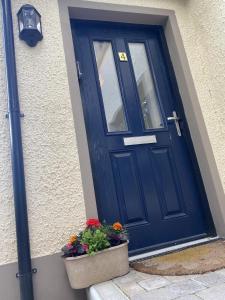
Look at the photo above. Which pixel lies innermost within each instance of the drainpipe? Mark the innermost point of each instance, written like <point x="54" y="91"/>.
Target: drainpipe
<point x="22" y="231"/>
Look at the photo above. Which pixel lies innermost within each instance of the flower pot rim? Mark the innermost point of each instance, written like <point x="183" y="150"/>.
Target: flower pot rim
<point x="99" y="252"/>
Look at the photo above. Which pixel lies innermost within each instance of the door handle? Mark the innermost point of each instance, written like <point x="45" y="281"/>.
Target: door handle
<point x="176" y="119"/>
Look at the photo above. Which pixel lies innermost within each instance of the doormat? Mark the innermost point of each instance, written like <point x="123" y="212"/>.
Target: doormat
<point x="194" y="260"/>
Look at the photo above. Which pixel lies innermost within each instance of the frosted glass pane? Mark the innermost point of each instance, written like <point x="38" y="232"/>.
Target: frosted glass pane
<point x="146" y="90"/>
<point x="112" y="100"/>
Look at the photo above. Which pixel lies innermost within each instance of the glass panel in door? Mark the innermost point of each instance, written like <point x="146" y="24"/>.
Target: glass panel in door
<point x="145" y="85"/>
<point x="110" y="89"/>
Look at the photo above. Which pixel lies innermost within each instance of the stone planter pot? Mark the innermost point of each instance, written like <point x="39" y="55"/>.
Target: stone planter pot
<point x="84" y="271"/>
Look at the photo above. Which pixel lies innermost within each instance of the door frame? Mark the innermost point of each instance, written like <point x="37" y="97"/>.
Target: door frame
<point x="69" y="9"/>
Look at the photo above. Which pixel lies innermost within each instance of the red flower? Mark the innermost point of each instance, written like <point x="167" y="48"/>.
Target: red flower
<point x="93" y="223"/>
<point x="85" y="247"/>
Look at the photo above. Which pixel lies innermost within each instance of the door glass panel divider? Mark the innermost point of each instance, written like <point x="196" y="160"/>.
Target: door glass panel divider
<point x="123" y="94"/>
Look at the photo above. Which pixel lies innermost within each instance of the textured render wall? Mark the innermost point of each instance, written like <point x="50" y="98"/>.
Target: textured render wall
<point x="7" y="224"/>
<point x="209" y="22"/>
<point x="54" y="188"/>
<point x="53" y="181"/>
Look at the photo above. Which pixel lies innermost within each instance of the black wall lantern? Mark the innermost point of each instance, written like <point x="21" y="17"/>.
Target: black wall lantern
<point x="29" y="25"/>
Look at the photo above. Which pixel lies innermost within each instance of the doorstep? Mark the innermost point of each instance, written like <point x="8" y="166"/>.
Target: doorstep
<point x="105" y="290"/>
<point x="140" y="286"/>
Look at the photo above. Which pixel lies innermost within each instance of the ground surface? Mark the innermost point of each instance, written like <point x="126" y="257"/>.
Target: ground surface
<point x="140" y="286"/>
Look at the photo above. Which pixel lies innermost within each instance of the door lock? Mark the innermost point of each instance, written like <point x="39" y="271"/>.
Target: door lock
<point x="176" y="119"/>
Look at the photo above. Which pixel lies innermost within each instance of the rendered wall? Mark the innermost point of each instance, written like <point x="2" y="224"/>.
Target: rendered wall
<point x="7" y="224"/>
<point x="53" y="181"/>
<point x="209" y="73"/>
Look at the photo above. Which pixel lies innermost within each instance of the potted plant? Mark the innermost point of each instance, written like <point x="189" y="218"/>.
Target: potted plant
<point x="98" y="253"/>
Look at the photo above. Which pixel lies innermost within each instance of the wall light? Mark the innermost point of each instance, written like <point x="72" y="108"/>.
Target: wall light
<point x="29" y="21"/>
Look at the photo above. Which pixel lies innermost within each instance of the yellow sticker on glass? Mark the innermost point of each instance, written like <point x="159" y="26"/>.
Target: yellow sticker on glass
<point x="122" y="56"/>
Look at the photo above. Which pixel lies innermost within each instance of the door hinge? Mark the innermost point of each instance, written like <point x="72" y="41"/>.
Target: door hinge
<point x="79" y="72"/>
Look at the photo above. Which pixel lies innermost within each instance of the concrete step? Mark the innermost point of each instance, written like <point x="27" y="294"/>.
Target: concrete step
<point x="105" y="290"/>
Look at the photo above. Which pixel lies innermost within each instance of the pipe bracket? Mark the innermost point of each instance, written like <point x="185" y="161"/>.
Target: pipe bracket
<point x="20" y="114"/>
<point x="33" y="271"/>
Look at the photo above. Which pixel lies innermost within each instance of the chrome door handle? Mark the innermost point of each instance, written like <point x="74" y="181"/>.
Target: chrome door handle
<point x="176" y="119"/>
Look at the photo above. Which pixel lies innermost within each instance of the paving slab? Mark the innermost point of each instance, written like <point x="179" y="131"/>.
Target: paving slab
<point x="106" y="290"/>
<point x="211" y="279"/>
<point x="154" y="282"/>
<point x="157" y="294"/>
<point x="141" y="286"/>
<point x="180" y="278"/>
<point x="132" y="276"/>
<point x="213" y="293"/>
<point x="186" y="287"/>
<point x="221" y="271"/>
<point x="131" y="289"/>
<point x="189" y="297"/>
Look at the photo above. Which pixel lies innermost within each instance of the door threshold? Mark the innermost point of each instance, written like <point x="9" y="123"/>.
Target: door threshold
<point x="172" y="248"/>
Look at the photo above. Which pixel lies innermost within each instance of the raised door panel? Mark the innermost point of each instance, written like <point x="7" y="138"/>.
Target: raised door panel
<point x="169" y="189"/>
<point x="129" y="188"/>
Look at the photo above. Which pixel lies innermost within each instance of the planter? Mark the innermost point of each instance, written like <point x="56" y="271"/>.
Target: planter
<point x="84" y="271"/>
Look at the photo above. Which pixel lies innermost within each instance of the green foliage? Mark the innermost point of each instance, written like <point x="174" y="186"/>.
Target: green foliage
<point x="95" y="239"/>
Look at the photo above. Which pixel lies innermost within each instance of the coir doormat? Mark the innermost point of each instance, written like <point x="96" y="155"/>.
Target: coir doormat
<point x="195" y="260"/>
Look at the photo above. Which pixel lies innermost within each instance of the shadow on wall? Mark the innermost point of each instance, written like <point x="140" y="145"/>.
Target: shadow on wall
<point x="50" y="282"/>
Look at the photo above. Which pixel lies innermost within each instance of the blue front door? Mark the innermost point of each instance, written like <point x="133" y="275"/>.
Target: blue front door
<point x="144" y="168"/>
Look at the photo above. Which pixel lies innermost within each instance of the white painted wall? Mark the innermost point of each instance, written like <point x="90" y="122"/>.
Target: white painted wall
<point x="54" y="187"/>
